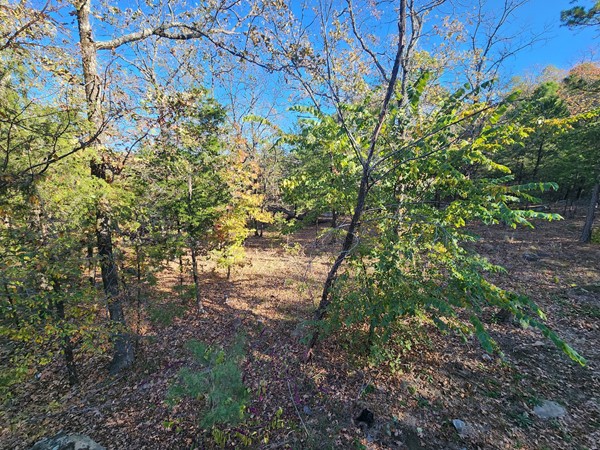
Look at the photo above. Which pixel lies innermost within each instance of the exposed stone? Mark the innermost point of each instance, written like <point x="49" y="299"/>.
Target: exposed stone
<point x="464" y="429"/>
<point x="549" y="410"/>
<point x="461" y="427"/>
<point x="63" y="441"/>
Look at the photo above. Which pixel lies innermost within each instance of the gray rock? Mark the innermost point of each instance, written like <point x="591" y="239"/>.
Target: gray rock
<point x="301" y="330"/>
<point x="549" y="410"/>
<point x="63" y="441"/>
<point x="460" y="426"/>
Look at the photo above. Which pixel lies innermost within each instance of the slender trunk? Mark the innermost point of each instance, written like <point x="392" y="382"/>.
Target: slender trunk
<point x="193" y="250"/>
<point x="370" y="335"/>
<point x="334" y="217"/>
<point x="519" y="178"/>
<point x="66" y="344"/>
<point x="566" y="199"/>
<point x="91" y="264"/>
<point x="123" y="349"/>
<point x="180" y="270"/>
<point x="346" y="247"/>
<point x="538" y="160"/>
<point x="196" y="278"/>
<point x="138" y="261"/>
<point x="256" y="231"/>
<point x="586" y="234"/>
<point x="180" y="258"/>
<point x="363" y="188"/>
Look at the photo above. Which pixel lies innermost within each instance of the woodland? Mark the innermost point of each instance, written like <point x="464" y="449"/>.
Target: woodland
<point x="334" y="224"/>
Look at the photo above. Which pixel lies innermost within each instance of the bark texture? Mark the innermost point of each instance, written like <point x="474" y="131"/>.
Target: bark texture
<point x="123" y="354"/>
<point x="586" y="234"/>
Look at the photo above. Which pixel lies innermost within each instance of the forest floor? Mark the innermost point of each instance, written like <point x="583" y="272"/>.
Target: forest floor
<point x="439" y="379"/>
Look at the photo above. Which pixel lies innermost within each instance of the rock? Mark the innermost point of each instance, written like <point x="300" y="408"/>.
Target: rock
<point x="531" y="257"/>
<point x="63" y="441"/>
<point x="460" y="426"/>
<point x="464" y="429"/>
<point x="301" y="330"/>
<point x="366" y="417"/>
<point x="549" y="410"/>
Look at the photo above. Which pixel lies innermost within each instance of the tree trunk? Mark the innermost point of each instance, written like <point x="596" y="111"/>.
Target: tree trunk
<point x="363" y="188"/>
<point x="566" y="199"/>
<point x="196" y="279"/>
<point x="193" y="250"/>
<point x="66" y="344"/>
<point x="91" y="264"/>
<point x="180" y="258"/>
<point x="138" y="264"/>
<point x="346" y="247"/>
<point x="123" y="349"/>
<point x="538" y="160"/>
<point x="181" y="271"/>
<point x="586" y="234"/>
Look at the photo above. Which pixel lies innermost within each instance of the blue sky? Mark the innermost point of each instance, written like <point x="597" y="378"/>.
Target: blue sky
<point x="562" y="48"/>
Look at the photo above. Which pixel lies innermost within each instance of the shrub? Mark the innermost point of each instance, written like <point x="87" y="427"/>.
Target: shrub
<point x="217" y="380"/>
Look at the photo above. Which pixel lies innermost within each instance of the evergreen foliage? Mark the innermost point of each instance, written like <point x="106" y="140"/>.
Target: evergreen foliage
<point x="217" y="380"/>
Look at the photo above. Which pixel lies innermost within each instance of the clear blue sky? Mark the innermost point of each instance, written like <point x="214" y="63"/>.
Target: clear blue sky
<point x="563" y="47"/>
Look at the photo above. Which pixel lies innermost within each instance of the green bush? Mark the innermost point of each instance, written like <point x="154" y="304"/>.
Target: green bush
<point x="217" y="380"/>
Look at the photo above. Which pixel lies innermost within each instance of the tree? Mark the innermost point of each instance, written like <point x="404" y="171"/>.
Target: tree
<point x="322" y="173"/>
<point x="580" y="16"/>
<point x="540" y="113"/>
<point x="562" y="122"/>
<point x="204" y="22"/>
<point x="44" y="205"/>
<point x="415" y="142"/>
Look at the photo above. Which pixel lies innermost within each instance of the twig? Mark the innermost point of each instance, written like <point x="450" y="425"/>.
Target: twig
<point x="296" y="408"/>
